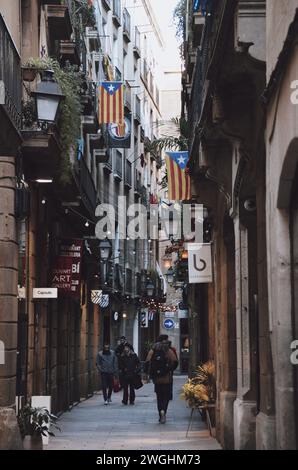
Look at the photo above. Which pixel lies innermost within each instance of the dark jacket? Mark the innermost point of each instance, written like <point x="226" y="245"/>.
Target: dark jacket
<point x="129" y="365"/>
<point x="107" y="362"/>
<point x="120" y="348"/>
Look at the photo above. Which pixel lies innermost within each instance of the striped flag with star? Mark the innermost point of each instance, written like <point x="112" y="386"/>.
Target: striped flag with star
<point x="178" y="178"/>
<point x="111" y="103"/>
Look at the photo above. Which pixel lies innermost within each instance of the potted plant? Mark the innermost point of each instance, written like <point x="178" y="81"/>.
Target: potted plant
<point x="200" y="390"/>
<point x="35" y="423"/>
<point x="29" y="73"/>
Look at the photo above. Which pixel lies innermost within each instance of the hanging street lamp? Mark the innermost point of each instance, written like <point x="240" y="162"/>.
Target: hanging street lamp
<point x="48" y="96"/>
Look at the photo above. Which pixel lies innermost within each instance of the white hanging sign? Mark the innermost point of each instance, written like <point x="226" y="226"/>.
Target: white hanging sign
<point x="199" y="263"/>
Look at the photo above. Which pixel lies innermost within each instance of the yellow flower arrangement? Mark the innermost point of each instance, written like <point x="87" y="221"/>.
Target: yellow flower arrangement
<point x="201" y="390"/>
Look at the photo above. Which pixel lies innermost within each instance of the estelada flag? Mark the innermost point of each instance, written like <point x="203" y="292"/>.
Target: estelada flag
<point x="178" y="178"/>
<point x="111" y="103"/>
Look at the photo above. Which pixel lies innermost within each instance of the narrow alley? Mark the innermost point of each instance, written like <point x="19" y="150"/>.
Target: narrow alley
<point x="91" y="425"/>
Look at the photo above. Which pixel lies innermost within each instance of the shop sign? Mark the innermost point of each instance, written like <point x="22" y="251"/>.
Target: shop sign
<point x="45" y="293"/>
<point x="66" y="273"/>
<point x="199" y="263"/>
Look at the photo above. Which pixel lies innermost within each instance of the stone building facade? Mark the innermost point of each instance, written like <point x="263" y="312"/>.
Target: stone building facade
<point x="243" y="170"/>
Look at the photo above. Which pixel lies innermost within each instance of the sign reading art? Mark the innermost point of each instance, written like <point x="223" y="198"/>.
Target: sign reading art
<point x="199" y="263"/>
<point x="67" y="268"/>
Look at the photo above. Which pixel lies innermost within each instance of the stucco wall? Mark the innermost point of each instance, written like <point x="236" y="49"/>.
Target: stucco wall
<point x="279" y="14"/>
<point x="282" y="129"/>
<point x="10" y="10"/>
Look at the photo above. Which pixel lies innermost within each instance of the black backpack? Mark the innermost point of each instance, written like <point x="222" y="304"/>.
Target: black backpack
<point x="159" y="364"/>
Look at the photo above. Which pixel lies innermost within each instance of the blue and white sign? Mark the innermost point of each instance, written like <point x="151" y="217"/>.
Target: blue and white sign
<point x="168" y="323"/>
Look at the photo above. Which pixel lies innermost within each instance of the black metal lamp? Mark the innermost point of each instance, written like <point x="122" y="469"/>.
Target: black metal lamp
<point x="105" y="249"/>
<point x="48" y="96"/>
<point x="170" y="275"/>
<point x="150" y="289"/>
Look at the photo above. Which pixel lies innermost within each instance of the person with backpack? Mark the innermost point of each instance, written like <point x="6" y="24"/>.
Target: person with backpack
<point x="162" y="362"/>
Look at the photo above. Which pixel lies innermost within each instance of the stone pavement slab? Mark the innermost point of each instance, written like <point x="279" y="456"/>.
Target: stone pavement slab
<point x="92" y="425"/>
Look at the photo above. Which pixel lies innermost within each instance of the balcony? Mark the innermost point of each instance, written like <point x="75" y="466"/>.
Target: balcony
<point x="117" y="12"/>
<point x="93" y="39"/>
<point x="118" y="166"/>
<point x="137" y="114"/>
<point x="68" y="51"/>
<point x="10" y="92"/>
<point x="128" y="178"/>
<point x="137" y="44"/>
<point x="126" y="25"/>
<point x="58" y="20"/>
<point x="142" y="136"/>
<point x="86" y="186"/>
<point x="198" y="26"/>
<point x="107" y="4"/>
<point x="108" y="165"/>
<point x="138" y="184"/>
<point x="118" y="75"/>
<point x="144" y="198"/>
<point x="128" y="281"/>
<point x="127" y="97"/>
<point x="41" y="153"/>
<point x="145" y="71"/>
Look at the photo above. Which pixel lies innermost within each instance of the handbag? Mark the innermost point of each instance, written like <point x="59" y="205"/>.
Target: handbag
<point x="116" y="385"/>
<point x="137" y="382"/>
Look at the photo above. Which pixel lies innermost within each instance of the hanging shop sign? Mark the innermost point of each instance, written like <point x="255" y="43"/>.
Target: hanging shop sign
<point x="96" y="296"/>
<point x="118" y="135"/>
<point x="151" y="313"/>
<point x="144" y="318"/>
<point x="66" y="273"/>
<point x="199" y="263"/>
<point x="169" y="314"/>
<point x="45" y="293"/>
<point x="104" y="301"/>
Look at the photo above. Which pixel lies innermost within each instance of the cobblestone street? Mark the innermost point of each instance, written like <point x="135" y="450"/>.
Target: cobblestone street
<point x="92" y="425"/>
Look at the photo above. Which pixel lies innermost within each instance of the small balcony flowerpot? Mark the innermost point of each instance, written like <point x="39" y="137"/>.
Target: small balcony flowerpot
<point x="32" y="442"/>
<point x="29" y="73"/>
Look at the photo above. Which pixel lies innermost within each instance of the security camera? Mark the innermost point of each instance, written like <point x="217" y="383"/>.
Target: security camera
<point x="250" y="205"/>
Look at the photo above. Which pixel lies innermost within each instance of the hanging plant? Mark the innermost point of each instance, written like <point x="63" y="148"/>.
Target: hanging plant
<point x="69" y="123"/>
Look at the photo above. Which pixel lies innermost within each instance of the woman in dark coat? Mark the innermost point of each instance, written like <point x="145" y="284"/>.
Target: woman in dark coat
<point x="129" y="367"/>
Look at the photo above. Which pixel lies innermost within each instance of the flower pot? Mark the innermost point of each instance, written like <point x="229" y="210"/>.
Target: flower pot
<point x="32" y="442"/>
<point x="29" y="74"/>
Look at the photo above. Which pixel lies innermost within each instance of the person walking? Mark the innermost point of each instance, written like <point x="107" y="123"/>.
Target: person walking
<point x="129" y="368"/>
<point x="161" y="362"/>
<point x="122" y="342"/>
<point x="107" y="365"/>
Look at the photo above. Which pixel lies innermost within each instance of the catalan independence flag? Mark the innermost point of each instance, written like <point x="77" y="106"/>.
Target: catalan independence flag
<point x="111" y="103"/>
<point x="178" y="179"/>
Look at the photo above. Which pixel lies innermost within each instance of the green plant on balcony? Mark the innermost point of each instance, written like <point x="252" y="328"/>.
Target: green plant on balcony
<point x="28" y="113"/>
<point x="176" y="142"/>
<point x="69" y="123"/>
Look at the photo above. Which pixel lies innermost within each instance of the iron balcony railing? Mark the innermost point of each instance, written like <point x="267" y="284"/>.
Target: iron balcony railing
<point x="87" y="187"/>
<point x="126" y="22"/>
<point x="117" y="8"/>
<point x="137" y="42"/>
<point x="128" y="281"/>
<point x="10" y="76"/>
<point x="138" y="109"/>
<point x="128" y="178"/>
<point x="118" y="163"/>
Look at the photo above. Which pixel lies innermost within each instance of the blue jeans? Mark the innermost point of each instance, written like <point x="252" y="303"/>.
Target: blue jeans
<point x="107" y="384"/>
